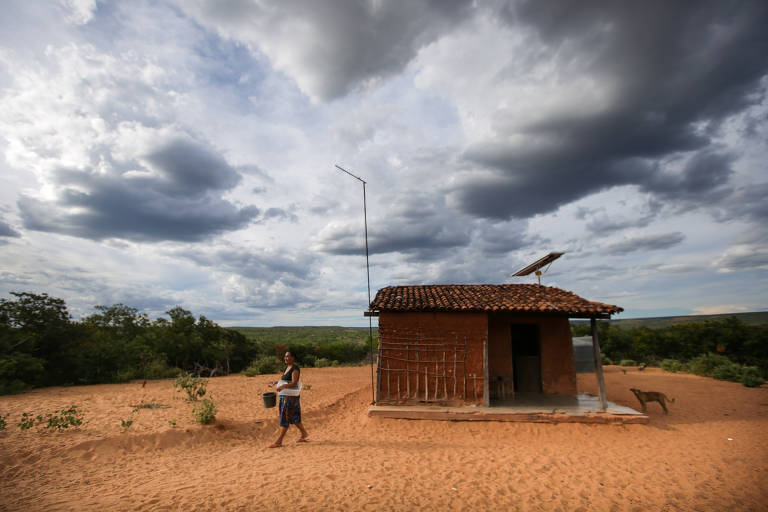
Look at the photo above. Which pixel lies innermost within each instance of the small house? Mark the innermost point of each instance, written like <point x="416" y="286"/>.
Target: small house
<point x="478" y="344"/>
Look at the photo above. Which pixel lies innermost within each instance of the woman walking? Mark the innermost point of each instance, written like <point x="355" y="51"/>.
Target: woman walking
<point x="289" y="389"/>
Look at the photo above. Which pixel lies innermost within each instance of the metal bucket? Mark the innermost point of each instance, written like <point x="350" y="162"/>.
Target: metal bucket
<point x="270" y="399"/>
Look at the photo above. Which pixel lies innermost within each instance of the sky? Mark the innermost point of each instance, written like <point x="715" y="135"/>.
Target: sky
<point x="181" y="152"/>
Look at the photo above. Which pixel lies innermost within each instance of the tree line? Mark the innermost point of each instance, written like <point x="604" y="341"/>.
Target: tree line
<point x="41" y="345"/>
<point x="741" y="343"/>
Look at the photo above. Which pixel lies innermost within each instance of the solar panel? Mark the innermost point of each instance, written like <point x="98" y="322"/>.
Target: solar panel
<point x="536" y="265"/>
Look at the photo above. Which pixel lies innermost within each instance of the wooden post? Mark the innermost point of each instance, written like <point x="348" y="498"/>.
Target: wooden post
<point x="426" y="383"/>
<point x="437" y="373"/>
<point x="408" y="373"/>
<point x="454" y="370"/>
<point x="486" y="395"/>
<point x="418" y="375"/>
<point x="464" y="369"/>
<point x="598" y="364"/>
<point x="445" y="379"/>
<point x="389" y="380"/>
<point x="398" y="388"/>
<point x="378" y="371"/>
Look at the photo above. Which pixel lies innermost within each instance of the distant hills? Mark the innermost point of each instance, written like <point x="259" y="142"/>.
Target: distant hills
<point x="754" y="318"/>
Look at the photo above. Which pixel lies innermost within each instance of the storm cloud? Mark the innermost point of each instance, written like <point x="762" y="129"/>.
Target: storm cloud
<point x="7" y="231"/>
<point x="673" y="72"/>
<point x="645" y="243"/>
<point x="175" y="196"/>
<point x="332" y="47"/>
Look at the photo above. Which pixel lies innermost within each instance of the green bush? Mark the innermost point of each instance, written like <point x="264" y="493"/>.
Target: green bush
<point x="158" y="369"/>
<point x="263" y="366"/>
<point x="751" y="377"/>
<point x="205" y="411"/>
<point x="193" y="386"/>
<point x="605" y="359"/>
<point x="125" y="375"/>
<point x="70" y="417"/>
<point x="325" y="362"/>
<point x="58" y="420"/>
<point x="729" y="371"/>
<point x="309" y="360"/>
<point x="671" y="365"/>
<point x="628" y="362"/>
<point x="12" y="387"/>
<point x="705" y="364"/>
<point x="3" y="423"/>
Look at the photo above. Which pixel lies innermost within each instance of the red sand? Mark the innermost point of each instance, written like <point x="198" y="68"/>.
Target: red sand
<point x="683" y="461"/>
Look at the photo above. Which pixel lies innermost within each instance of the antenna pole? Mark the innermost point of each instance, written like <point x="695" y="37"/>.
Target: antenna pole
<point x="367" y="275"/>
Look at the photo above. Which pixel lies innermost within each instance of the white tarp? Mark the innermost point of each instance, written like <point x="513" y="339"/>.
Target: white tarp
<point x="289" y="391"/>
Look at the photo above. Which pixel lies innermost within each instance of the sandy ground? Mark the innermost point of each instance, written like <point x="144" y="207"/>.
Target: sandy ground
<point x="709" y="453"/>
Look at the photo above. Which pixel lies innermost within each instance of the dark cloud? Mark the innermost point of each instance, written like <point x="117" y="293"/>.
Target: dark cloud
<point x="498" y="239"/>
<point x="280" y="214"/>
<point x="7" y="231"/>
<point x="749" y="203"/>
<point x="748" y="258"/>
<point x="703" y="177"/>
<point x="189" y="170"/>
<point x="180" y="199"/>
<point x="397" y="235"/>
<point x="645" y="243"/>
<point x="416" y="224"/>
<point x="678" y="69"/>
<point x="336" y="46"/>
<point x="603" y="224"/>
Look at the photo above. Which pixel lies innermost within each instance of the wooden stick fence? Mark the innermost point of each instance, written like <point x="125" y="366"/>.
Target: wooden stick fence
<point x="435" y="366"/>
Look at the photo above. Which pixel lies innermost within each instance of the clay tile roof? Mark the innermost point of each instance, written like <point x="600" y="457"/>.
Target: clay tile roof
<point x="528" y="298"/>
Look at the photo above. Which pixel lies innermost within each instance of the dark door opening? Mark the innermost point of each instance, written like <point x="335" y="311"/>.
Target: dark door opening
<point x="526" y="358"/>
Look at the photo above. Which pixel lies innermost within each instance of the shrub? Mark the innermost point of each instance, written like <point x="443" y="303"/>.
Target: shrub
<point x="205" y="411"/>
<point x="728" y="371"/>
<point x="70" y="417"/>
<point x="158" y="369"/>
<point x="671" y="365"/>
<point x="605" y="359"/>
<point x="59" y="420"/>
<point x="628" y="362"/>
<point x="309" y="360"/>
<point x="705" y="364"/>
<point x="126" y="424"/>
<point x="322" y="362"/>
<point x="125" y="375"/>
<point x="28" y="421"/>
<point x="751" y="377"/>
<point x="263" y="365"/>
<point x="3" y="423"/>
<point x="12" y="387"/>
<point x="193" y="386"/>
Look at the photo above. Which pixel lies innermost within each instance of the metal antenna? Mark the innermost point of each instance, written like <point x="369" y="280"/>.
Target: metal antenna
<point x="367" y="274"/>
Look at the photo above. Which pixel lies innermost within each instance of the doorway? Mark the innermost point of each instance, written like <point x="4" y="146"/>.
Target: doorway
<point x="526" y="358"/>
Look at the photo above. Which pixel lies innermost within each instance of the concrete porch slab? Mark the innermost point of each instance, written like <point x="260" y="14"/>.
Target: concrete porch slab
<point x="581" y="408"/>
